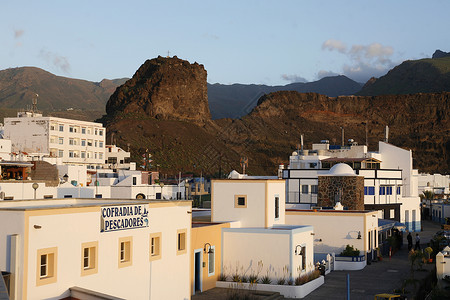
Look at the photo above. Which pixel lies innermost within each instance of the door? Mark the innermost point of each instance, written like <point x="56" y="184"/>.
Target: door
<point x="197" y="272"/>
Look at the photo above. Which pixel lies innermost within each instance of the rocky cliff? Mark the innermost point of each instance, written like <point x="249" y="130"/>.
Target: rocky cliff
<point x="164" y="108"/>
<point x="163" y="88"/>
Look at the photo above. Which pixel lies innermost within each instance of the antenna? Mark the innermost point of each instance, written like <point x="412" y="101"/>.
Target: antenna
<point x="34" y="102"/>
<point x="244" y="164"/>
<point x="367" y="133"/>
<point x="386" y="134"/>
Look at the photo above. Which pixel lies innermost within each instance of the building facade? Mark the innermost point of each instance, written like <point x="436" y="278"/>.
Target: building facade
<point x="73" y="141"/>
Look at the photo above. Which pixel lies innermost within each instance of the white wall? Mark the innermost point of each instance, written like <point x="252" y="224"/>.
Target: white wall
<point x="223" y="208"/>
<point x="243" y="248"/>
<point x="336" y="230"/>
<point x="142" y="280"/>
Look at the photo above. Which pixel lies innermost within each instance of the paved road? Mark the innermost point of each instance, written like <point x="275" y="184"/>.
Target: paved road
<point x="379" y="277"/>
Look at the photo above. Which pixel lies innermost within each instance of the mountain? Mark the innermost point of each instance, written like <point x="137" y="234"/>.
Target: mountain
<point x="56" y="94"/>
<point x="237" y="100"/>
<point x="164" y="88"/>
<point x="429" y="75"/>
<point x="439" y="54"/>
<point x="270" y="132"/>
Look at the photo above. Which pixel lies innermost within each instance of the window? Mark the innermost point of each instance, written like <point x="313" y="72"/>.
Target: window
<point x="211" y="261"/>
<point x="61" y="127"/>
<point x="125" y="251"/>
<point x="100" y="132"/>
<point x="240" y="201"/>
<point x="155" y="246"/>
<point x="53" y="126"/>
<point x="391" y="213"/>
<point x="83" y="154"/>
<point x="96" y="130"/>
<point x="399" y="190"/>
<point x="277" y="207"/>
<point x="60" y="153"/>
<point x="89" y="261"/>
<point x="389" y="190"/>
<point x="100" y="144"/>
<point x="72" y="142"/>
<point x="89" y="143"/>
<point x="369" y="190"/>
<point x="71" y="129"/>
<point x="71" y="153"/>
<point x="134" y="181"/>
<point x="181" y="241"/>
<point x="61" y="141"/>
<point x="95" y="143"/>
<point x="305" y="189"/>
<point x="303" y="254"/>
<point x="382" y="190"/>
<point x="100" y="155"/>
<point x="83" y="130"/>
<point x="83" y="142"/>
<point x="46" y="266"/>
<point x="314" y="189"/>
<point x="95" y="155"/>
<point x="53" y="139"/>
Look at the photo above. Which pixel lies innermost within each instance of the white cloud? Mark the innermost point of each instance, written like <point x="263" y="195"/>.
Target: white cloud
<point x="58" y="61"/>
<point x="332" y="45"/>
<point x="293" y="78"/>
<point x="323" y="73"/>
<point x="366" y="61"/>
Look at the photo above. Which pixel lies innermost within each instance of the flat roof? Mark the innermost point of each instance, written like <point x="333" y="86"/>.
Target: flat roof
<point x="21" y="205"/>
<point x="329" y="211"/>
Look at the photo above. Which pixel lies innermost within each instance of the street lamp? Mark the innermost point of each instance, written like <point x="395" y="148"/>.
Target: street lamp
<point x="35" y="187"/>
<point x="161" y="184"/>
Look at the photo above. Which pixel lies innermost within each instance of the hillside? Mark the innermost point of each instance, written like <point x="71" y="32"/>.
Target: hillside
<point x="237" y="100"/>
<point x="430" y="75"/>
<point x="270" y="132"/>
<point x="56" y="93"/>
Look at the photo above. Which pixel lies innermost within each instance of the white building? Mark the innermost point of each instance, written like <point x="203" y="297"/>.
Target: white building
<point x="75" y="142"/>
<point x="259" y="233"/>
<point x="436" y="183"/>
<point x="121" y="248"/>
<point x="390" y="182"/>
<point x="117" y="158"/>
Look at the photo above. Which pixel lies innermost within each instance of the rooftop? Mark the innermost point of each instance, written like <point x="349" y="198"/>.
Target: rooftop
<point x="20" y="205"/>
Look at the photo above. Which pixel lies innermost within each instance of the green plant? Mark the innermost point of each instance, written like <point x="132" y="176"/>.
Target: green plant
<point x="244" y="279"/>
<point x="282" y="279"/>
<point x="266" y="280"/>
<point x="350" y="251"/>
<point x="222" y="277"/>
<point x="307" y="277"/>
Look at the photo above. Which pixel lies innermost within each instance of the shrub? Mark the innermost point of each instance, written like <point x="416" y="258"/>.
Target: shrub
<point x="307" y="277"/>
<point x="253" y="278"/>
<point x="350" y="251"/>
<point x="266" y="280"/>
<point x="222" y="277"/>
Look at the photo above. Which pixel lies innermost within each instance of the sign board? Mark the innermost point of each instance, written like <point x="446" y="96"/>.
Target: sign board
<point x="123" y="217"/>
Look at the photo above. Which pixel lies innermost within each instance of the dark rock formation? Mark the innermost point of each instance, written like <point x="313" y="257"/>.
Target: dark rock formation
<point x="439" y="54"/>
<point x="163" y="88"/>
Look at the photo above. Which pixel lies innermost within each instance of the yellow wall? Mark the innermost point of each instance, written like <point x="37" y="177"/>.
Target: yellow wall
<point x="212" y="234"/>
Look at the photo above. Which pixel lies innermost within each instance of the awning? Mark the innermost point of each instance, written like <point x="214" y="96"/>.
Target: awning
<point x="385" y="225"/>
<point x="399" y="226"/>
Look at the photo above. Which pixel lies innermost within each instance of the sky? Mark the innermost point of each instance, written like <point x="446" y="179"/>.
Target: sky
<point x="259" y="42"/>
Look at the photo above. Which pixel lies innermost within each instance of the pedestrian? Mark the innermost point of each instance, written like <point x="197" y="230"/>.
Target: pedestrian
<point x="417" y="246"/>
<point x="409" y="238"/>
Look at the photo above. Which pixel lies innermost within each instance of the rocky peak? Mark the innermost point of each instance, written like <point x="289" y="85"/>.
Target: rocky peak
<point x="163" y="88"/>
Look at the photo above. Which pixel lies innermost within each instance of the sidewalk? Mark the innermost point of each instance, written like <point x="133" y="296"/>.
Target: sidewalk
<point x="379" y="277"/>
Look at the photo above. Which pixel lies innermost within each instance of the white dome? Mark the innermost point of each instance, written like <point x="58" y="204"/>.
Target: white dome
<point x="341" y="170"/>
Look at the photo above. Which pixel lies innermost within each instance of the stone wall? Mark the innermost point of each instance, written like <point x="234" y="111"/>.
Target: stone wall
<point x="348" y="189"/>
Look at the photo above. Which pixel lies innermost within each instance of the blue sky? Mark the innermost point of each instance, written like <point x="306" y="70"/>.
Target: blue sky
<point x="261" y="42"/>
